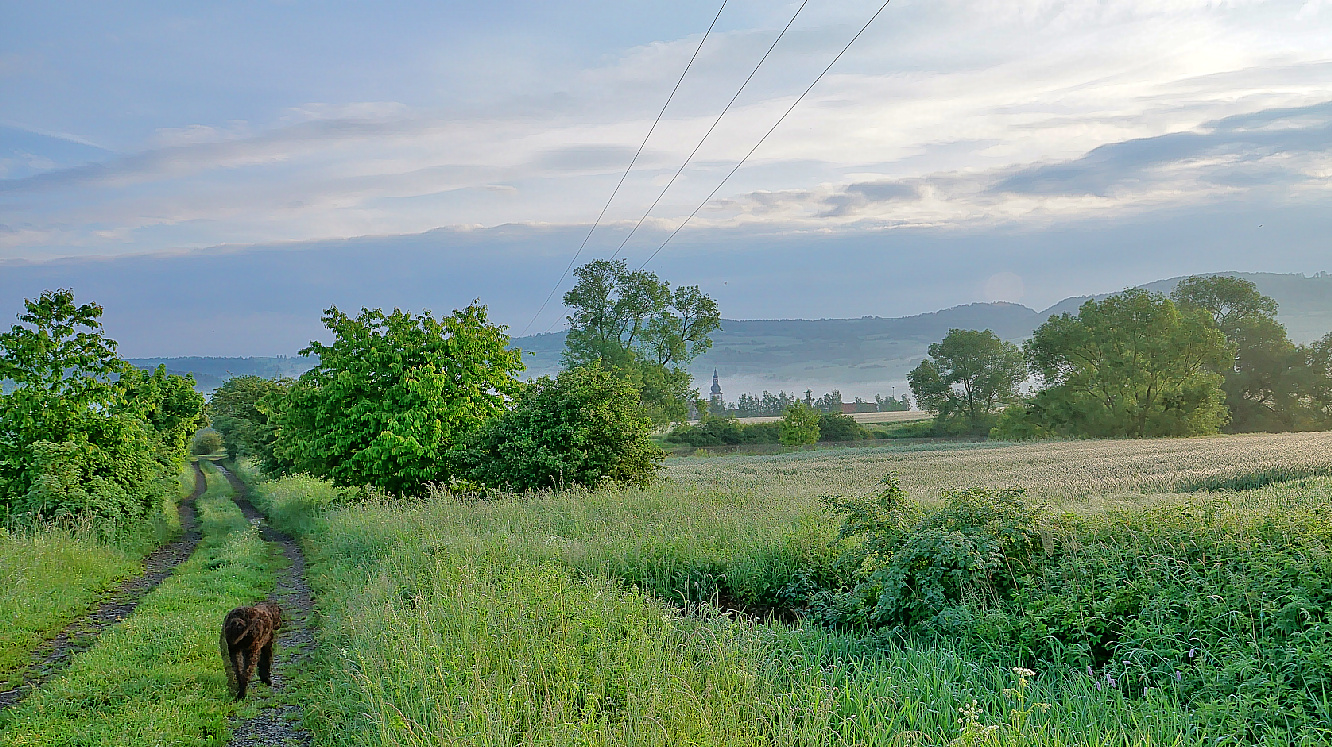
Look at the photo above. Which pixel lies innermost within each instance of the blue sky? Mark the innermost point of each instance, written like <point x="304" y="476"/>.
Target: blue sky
<point x="423" y="154"/>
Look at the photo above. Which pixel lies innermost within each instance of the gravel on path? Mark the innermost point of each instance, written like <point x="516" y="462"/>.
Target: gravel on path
<point x="279" y="723"/>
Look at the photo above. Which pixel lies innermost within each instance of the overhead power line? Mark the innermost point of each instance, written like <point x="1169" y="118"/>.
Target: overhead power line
<point x="715" y="122"/>
<point x="775" y="125"/>
<point x="629" y="168"/>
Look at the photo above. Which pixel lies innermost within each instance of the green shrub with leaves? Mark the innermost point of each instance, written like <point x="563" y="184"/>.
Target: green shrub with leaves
<point x="799" y="425"/>
<point x="917" y="566"/>
<point x="240" y="410"/>
<point x="714" y="430"/>
<point x="206" y="442"/>
<point x="836" y="427"/>
<point x="586" y="427"/>
<point x="393" y="395"/>
<point x="1220" y="599"/>
<point x="84" y="435"/>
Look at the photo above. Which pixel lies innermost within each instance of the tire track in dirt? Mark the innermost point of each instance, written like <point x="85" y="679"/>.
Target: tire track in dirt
<point x="279" y="723"/>
<point x="51" y="657"/>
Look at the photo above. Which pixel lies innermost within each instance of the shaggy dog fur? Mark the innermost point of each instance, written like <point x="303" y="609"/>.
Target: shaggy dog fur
<point x="247" y="640"/>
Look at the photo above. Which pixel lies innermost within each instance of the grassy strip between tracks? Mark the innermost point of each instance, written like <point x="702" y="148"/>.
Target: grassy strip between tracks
<point x="157" y="679"/>
<point x="52" y="576"/>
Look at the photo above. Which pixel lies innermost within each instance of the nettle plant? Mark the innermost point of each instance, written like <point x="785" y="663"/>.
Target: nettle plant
<point x="919" y="568"/>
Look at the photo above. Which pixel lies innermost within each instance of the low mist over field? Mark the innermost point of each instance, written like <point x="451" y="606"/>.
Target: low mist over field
<point x="860" y="357"/>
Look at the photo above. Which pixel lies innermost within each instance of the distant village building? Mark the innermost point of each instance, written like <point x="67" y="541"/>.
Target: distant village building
<point x="716" y="402"/>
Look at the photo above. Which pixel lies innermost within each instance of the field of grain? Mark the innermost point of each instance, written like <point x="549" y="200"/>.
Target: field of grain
<point x="1062" y="473"/>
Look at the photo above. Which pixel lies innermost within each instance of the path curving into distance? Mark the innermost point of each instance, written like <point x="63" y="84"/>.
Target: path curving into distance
<point x="279" y="723"/>
<point x="116" y="605"/>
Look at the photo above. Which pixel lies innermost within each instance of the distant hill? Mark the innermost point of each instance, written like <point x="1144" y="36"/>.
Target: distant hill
<point x="872" y="355"/>
<point x="861" y="357"/>
<point x="209" y="373"/>
<point x="1305" y="303"/>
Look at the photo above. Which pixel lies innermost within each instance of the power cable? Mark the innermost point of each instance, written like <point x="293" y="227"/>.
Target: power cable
<point x="715" y="122"/>
<point x="780" y="119"/>
<point x="632" y="161"/>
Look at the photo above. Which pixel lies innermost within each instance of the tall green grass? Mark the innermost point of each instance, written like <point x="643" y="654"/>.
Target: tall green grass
<point x="52" y="575"/>
<point x="554" y="619"/>
<point x="157" y="678"/>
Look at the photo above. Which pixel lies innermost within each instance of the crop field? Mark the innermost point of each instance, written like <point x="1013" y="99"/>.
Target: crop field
<point x="1061" y="472"/>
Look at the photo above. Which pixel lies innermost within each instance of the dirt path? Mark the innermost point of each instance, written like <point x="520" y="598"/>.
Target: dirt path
<point x="82" y="633"/>
<point x="279" y="723"/>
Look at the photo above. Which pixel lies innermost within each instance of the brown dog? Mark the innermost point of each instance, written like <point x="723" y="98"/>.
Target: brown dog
<point x="247" y="640"/>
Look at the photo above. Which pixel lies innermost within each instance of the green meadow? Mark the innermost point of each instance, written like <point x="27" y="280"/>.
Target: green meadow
<point x="1175" y="594"/>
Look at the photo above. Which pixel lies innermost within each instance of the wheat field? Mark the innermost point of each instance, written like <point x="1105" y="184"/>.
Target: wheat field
<point x="1065" y="472"/>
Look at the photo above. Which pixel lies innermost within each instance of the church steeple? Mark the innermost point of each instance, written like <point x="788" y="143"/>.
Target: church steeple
<point x="716" y="387"/>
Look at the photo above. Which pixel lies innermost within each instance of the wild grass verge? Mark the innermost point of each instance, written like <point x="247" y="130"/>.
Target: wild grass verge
<point x="548" y="619"/>
<point x="54" y="574"/>
<point x="157" y="678"/>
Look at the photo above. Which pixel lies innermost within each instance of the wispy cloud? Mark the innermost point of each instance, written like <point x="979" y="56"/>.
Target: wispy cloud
<point x="949" y="114"/>
<point x="1275" y="142"/>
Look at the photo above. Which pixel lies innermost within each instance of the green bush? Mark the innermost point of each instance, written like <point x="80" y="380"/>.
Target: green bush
<point x="724" y="431"/>
<point x="835" y="427"/>
<point x="206" y="442"/>
<point x="914" y="565"/>
<point x="393" y="396"/>
<point x="1221" y="599"/>
<point x="1018" y="422"/>
<point x="799" y="425"/>
<point x="585" y="427"/>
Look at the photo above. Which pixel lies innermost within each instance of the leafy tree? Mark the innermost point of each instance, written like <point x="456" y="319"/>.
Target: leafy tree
<point x="1264" y="381"/>
<point x="890" y="404"/>
<point x="829" y="402"/>
<point x="83" y="433"/>
<point x="635" y="323"/>
<point x="585" y="427"/>
<point x="1131" y="365"/>
<point x="799" y="425"/>
<point x="836" y="427"/>
<point x="1318" y="384"/>
<point x="241" y="410"/>
<point x="167" y="402"/>
<point x="967" y="378"/>
<point x="393" y="395"/>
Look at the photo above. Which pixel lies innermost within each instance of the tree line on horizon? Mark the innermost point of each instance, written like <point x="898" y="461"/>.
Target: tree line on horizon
<point x="768" y="404"/>
<point x="1208" y="358"/>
